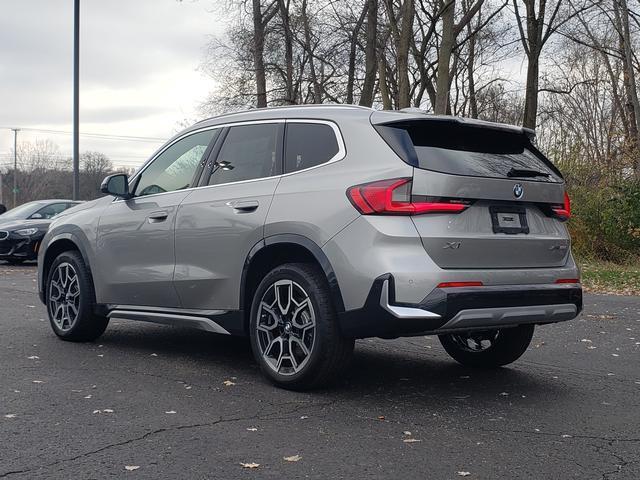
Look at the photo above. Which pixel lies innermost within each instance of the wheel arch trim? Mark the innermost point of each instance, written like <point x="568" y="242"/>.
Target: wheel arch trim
<point x="43" y="269"/>
<point x="307" y="244"/>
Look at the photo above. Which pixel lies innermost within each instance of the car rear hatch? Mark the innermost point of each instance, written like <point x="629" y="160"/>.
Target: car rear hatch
<point x="514" y="198"/>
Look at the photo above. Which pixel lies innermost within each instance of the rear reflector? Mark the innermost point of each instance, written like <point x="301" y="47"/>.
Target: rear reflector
<point x="393" y="197"/>
<point x="563" y="212"/>
<point x="568" y="280"/>
<point x="459" y="284"/>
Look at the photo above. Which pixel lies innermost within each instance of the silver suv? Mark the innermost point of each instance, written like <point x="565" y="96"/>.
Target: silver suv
<point x="306" y="228"/>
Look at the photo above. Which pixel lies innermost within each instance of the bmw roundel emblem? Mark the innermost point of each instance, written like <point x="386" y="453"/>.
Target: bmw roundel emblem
<point x="518" y="191"/>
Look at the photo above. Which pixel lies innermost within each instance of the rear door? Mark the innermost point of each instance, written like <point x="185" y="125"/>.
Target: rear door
<point x="219" y="223"/>
<point x="513" y="193"/>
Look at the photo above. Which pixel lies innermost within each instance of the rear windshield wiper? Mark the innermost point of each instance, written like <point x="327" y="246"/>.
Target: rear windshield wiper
<point x="523" y="172"/>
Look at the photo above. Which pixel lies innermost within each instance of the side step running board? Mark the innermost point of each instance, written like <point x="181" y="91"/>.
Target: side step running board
<point x="165" y="318"/>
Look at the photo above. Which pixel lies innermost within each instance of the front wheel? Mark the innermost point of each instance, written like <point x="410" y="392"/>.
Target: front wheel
<point x="488" y="348"/>
<point x="295" y="336"/>
<point x="71" y="300"/>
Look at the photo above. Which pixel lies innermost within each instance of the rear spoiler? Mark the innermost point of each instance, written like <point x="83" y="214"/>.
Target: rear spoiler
<point x="388" y="117"/>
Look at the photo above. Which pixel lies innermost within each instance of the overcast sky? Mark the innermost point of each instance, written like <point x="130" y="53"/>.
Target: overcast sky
<point x="139" y="77"/>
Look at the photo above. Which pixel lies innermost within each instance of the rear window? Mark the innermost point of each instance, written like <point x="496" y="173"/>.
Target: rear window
<point x="456" y="149"/>
<point x="308" y="145"/>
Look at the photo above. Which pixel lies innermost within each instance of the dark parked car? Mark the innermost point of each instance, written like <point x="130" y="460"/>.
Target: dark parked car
<point x="22" y="228"/>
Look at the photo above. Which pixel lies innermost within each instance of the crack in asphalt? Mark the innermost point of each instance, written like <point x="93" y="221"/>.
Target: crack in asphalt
<point x="221" y="420"/>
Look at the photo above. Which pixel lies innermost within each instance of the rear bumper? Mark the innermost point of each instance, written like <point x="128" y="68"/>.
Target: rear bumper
<point x="459" y="309"/>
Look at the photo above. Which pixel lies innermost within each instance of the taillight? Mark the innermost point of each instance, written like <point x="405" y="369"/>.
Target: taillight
<point x="563" y="212"/>
<point x="393" y="197"/>
<point x="568" y="280"/>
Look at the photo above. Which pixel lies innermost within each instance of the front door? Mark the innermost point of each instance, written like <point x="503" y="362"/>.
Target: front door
<point x="135" y="238"/>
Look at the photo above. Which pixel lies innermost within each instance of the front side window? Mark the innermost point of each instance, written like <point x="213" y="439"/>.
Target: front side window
<point x="50" y="211"/>
<point x="308" y="145"/>
<point x="175" y="168"/>
<point x="248" y="152"/>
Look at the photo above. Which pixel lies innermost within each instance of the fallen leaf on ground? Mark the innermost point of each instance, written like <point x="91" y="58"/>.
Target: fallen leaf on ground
<point x="406" y="433"/>
<point x="228" y="383"/>
<point x="38" y="381"/>
<point x="411" y="440"/>
<point x="294" y="458"/>
<point x="464" y="474"/>
<point x="131" y="468"/>
<point x="170" y="412"/>
<point x="34" y="357"/>
<point x="252" y="429"/>
<point x="249" y="465"/>
<point x="10" y="415"/>
<point x="107" y="410"/>
<point x="381" y="417"/>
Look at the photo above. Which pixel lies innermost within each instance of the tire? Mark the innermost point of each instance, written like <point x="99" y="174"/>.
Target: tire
<point x="506" y="346"/>
<point x="69" y="290"/>
<point x="314" y="329"/>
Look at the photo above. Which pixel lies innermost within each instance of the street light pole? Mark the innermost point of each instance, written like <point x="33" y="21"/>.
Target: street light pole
<point x="15" y="166"/>
<point x="76" y="99"/>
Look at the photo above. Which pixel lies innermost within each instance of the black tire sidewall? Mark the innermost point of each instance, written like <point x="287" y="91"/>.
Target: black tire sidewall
<point x="510" y="345"/>
<point x="318" y="293"/>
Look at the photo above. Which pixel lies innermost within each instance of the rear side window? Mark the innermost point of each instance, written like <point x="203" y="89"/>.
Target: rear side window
<point x="456" y="149"/>
<point x="249" y="152"/>
<point x="308" y="145"/>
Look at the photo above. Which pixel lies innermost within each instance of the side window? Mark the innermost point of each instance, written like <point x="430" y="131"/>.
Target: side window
<point x="175" y="168"/>
<point x="50" y="211"/>
<point x="308" y="145"/>
<point x="248" y="152"/>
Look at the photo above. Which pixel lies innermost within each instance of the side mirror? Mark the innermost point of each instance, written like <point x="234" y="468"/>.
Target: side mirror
<point x="36" y="216"/>
<point x="116" y="185"/>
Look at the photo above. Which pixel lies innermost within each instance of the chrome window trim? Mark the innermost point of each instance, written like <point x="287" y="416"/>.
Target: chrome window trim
<point x="342" y="153"/>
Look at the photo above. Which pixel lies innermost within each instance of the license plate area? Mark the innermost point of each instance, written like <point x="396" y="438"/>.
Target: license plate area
<point x="509" y="220"/>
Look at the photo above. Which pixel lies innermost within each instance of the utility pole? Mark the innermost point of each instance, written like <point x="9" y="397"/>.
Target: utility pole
<point x="76" y="99"/>
<point x="15" y="166"/>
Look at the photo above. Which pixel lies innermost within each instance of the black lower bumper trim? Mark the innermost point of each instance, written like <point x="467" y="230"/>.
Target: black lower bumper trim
<point x="374" y="321"/>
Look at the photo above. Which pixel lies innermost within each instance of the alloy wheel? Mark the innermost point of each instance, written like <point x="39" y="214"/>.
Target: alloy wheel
<point x="64" y="296"/>
<point x="286" y="327"/>
<point x="476" y="341"/>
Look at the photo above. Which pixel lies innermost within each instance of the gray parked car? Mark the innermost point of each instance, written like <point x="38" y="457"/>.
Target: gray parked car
<point x="306" y="228"/>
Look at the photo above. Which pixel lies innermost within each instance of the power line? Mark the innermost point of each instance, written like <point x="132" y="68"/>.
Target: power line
<point x="93" y="135"/>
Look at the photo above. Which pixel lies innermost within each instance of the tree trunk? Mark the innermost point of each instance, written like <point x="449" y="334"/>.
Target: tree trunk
<point x="366" y="97"/>
<point x="633" y="106"/>
<point x="382" y="84"/>
<point x="288" y="51"/>
<point x="406" y="33"/>
<point x="317" y="91"/>
<point x="258" y="55"/>
<point x="353" y="48"/>
<point x="444" y="57"/>
<point x="531" y="92"/>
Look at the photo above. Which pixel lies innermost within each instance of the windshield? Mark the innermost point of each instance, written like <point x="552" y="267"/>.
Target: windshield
<point x="23" y="211"/>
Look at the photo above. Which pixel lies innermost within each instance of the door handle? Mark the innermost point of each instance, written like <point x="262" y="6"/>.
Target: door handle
<point x="244" y="207"/>
<point x="159" y="216"/>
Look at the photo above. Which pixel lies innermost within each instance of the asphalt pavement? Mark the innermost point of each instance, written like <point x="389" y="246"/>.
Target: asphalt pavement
<point x="155" y="402"/>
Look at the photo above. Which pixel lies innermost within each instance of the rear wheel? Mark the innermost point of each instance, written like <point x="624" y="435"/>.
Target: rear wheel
<point x="294" y="330"/>
<point x="71" y="300"/>
<point x="488" y="348"/>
